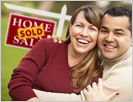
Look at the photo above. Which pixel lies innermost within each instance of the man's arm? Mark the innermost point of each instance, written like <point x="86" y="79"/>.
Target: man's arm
<point x="50" y="96"/>
<point x="90" y="94"/>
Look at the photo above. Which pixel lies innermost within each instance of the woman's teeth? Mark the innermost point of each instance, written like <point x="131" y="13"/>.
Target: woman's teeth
<point x="83" y="41"/>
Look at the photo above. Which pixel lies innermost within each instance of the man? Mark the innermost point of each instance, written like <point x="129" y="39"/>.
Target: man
<point x="114" y="42"/>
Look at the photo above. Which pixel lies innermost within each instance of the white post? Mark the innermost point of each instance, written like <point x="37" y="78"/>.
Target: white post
<point x="61" y="21"/>
<point x="62" y="17"/>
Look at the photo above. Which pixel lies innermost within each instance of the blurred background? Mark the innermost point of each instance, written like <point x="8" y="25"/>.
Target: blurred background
<point x="11" y="56"/>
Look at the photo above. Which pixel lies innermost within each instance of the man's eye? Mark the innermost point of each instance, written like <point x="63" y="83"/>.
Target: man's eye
<point x="104" y="31"/>
<point x="118" y="33"/>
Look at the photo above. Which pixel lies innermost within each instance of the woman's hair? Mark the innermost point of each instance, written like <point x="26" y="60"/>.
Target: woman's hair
<point x="90" y="67"/>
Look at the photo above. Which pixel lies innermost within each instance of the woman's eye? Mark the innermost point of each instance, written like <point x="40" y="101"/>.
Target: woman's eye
<point x="93" y="29"/>
<point x="78" y="25"/>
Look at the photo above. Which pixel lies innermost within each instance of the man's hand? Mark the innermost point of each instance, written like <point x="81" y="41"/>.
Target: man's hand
<point x="95" y="93"/>
<point x="55" y="38"/>
<point x="33" y="99"/>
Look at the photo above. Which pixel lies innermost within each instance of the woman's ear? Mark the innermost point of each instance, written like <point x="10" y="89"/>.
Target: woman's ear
<point x="70" y="28"/>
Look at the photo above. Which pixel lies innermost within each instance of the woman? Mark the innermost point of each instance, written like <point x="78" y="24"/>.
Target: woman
<point x="47" y="65"/>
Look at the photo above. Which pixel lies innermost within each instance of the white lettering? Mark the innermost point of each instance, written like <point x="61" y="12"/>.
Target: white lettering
<point x="29" y="23"/>
<point x="31" y="42"/>
<point x="14" y="22"/>
<point x="40" y="37"/>
<point x="16" y="39"/>
<point x="47" y="27"/>
<point x="24" y="41"/>
<point x="36" y="25"/>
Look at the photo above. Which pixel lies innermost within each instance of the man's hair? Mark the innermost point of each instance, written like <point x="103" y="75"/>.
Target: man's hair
<point x="120" y="11"/>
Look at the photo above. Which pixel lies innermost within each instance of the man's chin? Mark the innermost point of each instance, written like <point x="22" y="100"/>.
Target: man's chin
<point x="109" y="57"/>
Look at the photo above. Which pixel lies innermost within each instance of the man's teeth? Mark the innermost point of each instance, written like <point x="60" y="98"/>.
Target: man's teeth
<point x="83" y="41"/>
<point x="109" y="46"/>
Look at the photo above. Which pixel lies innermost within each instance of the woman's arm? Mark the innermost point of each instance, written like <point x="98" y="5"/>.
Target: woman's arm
<point x="24" y="76"/>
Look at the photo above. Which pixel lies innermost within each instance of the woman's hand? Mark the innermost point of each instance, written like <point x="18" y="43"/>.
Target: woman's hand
<point x="55" y="38"/>
<point x="95" y="93"/>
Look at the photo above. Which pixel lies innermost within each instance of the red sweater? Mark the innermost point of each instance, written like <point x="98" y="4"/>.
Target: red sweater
<point x="44" y="67"/>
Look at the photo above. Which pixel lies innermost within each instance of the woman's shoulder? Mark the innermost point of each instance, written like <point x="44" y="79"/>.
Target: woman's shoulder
<point x="46" y="41"/>
<point x="49" y="44"/>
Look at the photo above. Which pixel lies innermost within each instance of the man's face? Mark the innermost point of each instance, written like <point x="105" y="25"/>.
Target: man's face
<point x="114" y="36"/>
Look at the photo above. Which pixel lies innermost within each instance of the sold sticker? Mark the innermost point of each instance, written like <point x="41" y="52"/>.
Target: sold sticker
<point x="31" y="32"/>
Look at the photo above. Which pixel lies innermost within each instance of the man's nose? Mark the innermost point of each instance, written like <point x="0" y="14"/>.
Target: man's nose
<point x="110" y="37"/>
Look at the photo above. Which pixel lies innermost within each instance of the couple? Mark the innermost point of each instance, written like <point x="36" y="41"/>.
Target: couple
<point x="46" y="67"/>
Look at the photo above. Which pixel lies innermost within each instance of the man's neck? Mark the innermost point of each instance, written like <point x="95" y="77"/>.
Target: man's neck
<point x="122" y="57"/>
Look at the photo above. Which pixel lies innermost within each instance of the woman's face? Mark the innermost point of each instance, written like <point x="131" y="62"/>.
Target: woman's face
<point x="83" y="35"/>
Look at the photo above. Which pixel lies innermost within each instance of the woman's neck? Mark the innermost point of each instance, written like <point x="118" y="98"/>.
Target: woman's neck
<point x="74" y="57"/>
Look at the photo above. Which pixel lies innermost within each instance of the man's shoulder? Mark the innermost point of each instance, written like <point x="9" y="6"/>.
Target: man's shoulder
<point x="127" y="61"/>
<point x="130" y="57"/>
<point x="125" y="64"/>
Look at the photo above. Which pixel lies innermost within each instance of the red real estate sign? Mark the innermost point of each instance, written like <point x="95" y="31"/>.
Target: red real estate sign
<point x="19" y="21"/>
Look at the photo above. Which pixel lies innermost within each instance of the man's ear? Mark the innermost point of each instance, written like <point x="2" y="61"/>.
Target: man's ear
<point x="131" y="43"/>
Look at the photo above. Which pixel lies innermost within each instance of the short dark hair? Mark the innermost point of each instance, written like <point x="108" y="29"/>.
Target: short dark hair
<point x="120" y="11"/>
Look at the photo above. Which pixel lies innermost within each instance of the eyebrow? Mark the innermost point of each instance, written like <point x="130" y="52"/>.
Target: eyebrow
<point x="83" y="23"/>
<point x="104" y="27"/>
<point x="78" y="22"/>
<point x="119" y="30"/>
<point x="114" y="29"/>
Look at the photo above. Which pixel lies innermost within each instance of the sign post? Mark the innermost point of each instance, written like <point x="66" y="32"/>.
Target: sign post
<point x="61" y="21"/>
